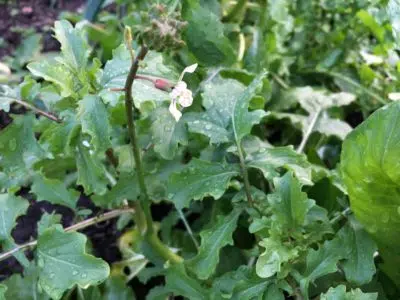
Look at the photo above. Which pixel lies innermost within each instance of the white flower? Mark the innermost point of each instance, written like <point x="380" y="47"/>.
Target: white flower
<point x="371" y="59"/>
<point x="181" y="95"/>
<point x="394" y="96"/>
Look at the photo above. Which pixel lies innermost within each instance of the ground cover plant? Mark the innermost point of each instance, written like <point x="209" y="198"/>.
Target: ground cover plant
<point x="239" y="150"/>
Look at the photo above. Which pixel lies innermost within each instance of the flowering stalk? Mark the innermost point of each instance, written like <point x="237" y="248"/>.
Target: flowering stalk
<point x="144" y="219"/>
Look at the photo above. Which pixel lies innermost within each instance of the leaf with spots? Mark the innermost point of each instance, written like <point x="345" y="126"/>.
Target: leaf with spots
<point x="54" y="191"/>
<point x="218" y="100"/>
<point x="167" y="133"/>
<point x="242" y="119"/>
<point x="11" y="207"/>
<point x="93" y="116"/>
<point x="63" y="262"/>
<point x="91" y="171"/>
<point x="19" y="149"/>
<point x="74" y="46"/>
<point x="213" y="240"/>
<point x="270" y="160"/>
<point x="200" y="179"/>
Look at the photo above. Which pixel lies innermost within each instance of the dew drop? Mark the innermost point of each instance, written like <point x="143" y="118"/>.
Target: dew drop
<point x="51" y="275"/>
<point x="74" y="272"/>
<point x="171" y="195"/>
<point x="208" y="127"/>
<point x="84" y="275"/>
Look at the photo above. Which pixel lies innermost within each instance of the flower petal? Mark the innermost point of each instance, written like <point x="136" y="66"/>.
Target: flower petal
<point x="186" y="98"/>
<point x="174" y="111"/>
<point x="189" y="69"/>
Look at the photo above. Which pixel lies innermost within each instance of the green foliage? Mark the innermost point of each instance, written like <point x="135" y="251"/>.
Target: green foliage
<point x="339" y="293"/>
<point x="369" y="167"/>
<point x="200" y="179"/>
<point x="251" y="193"/>
<point x="205" y="37"/>
<point x="63" y="262"/>
<point x="212" y="240"/>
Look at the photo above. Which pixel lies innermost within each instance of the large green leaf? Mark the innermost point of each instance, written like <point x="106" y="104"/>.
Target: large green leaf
<point x="58" y="138"/>
<point x="74" y="47"/>
<point x="54" y="191"/>
<point x="205" y="37"/>
<point x="359" y="266"/>
<point x="289" y="204"/>
<point x="91" y="171"/>
<point x="321" y="262"/>
<point x="275" y="254"/>
<point x="64" y="263"/>
<point x="167" y="133"/>
<point x="11" y="207"/>
<point x="93" y="116"/>
<point x="339" y="293"/>
<point x="212" y="240"/>
<point x="269" y="160"/>
<point x="179" y="283"/>
<point x="126" y="188"/>
<point x="24" y="287"/>
<point x="371" y="172"/>
<point x="19" y="148"/>
<point x="53" y="71"/>
<point x="242" y="119"/>
<point x="200" y="179"/>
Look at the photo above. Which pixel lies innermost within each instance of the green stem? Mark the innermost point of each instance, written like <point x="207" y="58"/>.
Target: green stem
<point x="235" y="11"/>
<point x="162" y="249"/>
<point x="143" y="219"/>
<point x="144" y="207"/>
<point x="244" y="174"/>
<point x="309" y="131"/>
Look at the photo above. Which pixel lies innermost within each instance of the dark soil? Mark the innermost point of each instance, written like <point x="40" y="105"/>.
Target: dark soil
<point x="19" y="15"/>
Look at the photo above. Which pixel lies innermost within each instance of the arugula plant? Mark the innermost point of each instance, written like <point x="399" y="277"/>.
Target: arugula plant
<point x="262" y="219"/>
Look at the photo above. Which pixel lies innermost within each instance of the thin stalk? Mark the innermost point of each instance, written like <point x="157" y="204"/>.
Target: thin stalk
<point x="235" y="11"/>
<point x="145" y="207"/>
<point x="341" y="216"/>
<point x="38" y="111"/>
<point x="309" y="131"/>
<point x="245" y="175"/>
<point x="162" y="249"/>
<point x="78" y="226"/>
<point x="143" y="219"/>
<point x="188" y="229"/>
<point x="280" y="81"/>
